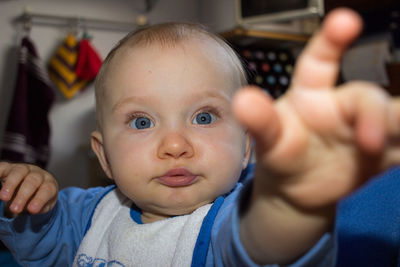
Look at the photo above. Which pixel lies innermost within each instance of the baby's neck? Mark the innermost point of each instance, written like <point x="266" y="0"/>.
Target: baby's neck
<point x="151" y="217"/>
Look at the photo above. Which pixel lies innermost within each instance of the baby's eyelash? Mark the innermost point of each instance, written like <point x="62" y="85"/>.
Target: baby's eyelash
<point x="214" y="110"/>
<point x="136" y="115"/>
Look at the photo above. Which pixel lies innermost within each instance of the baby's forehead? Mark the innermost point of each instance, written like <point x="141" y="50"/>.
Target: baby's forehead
<point x="192" y="54"/>
<point x="189" y="45"/>
<point x="204" y="44"/>
<point x="191" y="51"/>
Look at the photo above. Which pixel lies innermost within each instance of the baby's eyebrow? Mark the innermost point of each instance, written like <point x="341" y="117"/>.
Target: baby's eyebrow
<point x="210" y="94"/>
<point x="215" y="94"/>
<point x="131" y="99"/>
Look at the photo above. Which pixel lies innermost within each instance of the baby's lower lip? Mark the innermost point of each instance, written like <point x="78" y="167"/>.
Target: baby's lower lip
<point x="177" y="180"/>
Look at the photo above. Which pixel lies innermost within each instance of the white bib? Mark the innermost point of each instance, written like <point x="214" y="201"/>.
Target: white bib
<point x="115" y="239"/>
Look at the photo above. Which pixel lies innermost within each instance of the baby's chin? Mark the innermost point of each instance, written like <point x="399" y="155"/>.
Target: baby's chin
<point x="160" y="213"/>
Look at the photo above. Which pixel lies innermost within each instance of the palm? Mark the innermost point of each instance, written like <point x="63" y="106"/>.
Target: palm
<point x="318" y="143"/>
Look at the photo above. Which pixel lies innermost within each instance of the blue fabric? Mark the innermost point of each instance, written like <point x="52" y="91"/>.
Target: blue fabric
<point x="226" y="228"/>
<point x="203" y="240"/>
<point x="7" y="260"/>
<point x="105" y="192"/>
<point x="136" y="215"/>
<point x="52" y="239"/>
<point x="368" y="223"/>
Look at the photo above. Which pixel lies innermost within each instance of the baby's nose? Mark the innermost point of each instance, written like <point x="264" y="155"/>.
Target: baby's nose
<point x="175" y="145"/>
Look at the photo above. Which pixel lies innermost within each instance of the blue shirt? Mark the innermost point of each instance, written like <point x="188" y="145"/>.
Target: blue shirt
<point x="368" y="223"/>
<point x="52" y="239"/>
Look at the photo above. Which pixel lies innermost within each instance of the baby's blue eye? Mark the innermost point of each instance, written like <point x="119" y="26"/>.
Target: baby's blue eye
<point x="141" y="123"/>
<point x="204" y="118"/>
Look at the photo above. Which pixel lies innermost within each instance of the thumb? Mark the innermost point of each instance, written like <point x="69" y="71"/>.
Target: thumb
<point x="256" y="112"/>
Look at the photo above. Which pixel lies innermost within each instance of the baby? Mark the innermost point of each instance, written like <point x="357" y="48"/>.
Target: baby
<point x="174" y="134"/>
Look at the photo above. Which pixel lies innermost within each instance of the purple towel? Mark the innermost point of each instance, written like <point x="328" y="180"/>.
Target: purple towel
<point x="27" y="133"/>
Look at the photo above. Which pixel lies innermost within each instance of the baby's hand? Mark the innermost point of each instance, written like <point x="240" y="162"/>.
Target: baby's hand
<point x="314" y="145"/>
<point x="27" y="187"/>
<point x="318" y="143"/>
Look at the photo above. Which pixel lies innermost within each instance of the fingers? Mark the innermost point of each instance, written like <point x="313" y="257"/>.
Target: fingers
<point x="44" y="198"/>
<point x="255" y="111"/>
<point x="366" y="106"/>
<point x="14" y="174"/>
<point x="394" y="118"/>
<point x="27" y="187"/>
<point x="318" y="65"/>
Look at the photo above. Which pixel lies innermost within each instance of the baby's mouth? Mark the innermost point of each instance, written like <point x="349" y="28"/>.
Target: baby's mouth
<point x="178" y="177"/>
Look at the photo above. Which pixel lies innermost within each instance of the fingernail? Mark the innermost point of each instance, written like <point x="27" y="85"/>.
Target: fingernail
<point x="33" y="206"/>
<point x="14" y="207"/>
<point x="5" y="193"/>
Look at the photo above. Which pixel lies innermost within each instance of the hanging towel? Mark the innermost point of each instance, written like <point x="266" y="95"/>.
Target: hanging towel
<point x="62" y="68"/>
<point x="89" y="61"/>
<point x="26" y="137"/>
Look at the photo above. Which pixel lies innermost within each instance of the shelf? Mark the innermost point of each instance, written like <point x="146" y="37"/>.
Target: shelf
<point x="244" y="37"/>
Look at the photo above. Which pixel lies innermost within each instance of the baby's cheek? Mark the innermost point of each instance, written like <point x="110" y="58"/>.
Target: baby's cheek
<point x="129" y="156"/>
<point x="233" y="145"/>
<point x="226" y="157"/>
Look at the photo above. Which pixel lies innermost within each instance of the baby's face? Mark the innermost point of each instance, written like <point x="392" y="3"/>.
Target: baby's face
<point x="170" y="139"/>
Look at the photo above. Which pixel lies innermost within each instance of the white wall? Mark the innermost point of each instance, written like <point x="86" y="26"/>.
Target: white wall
<point x="219" y="15"/>
<point x="73" y="120"/>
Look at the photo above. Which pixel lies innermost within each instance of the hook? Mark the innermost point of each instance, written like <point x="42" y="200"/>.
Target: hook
<point x="26" y="19"/>
<point x="149" y="5"/>
<point x="141" y="20"/>
<point x="85" y="34"/>
<point x="27" y="23"/>
<point x="74" y="26"/>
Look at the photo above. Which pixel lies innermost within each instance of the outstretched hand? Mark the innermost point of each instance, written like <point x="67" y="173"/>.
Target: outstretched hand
<point x="314" y="145"/>
<point x="317" y="143"/>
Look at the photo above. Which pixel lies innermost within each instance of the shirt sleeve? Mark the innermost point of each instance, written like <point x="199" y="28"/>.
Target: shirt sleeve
<point x="51" y="239"/>
<point x="226" y="248"/>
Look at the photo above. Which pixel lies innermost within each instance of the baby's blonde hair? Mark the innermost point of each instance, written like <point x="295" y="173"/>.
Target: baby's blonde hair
<point x="164" y="34"/>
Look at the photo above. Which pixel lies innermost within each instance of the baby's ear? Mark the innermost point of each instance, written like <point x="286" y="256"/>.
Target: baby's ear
<point x="96" y="141"/>
<point x="248" y="150"/>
